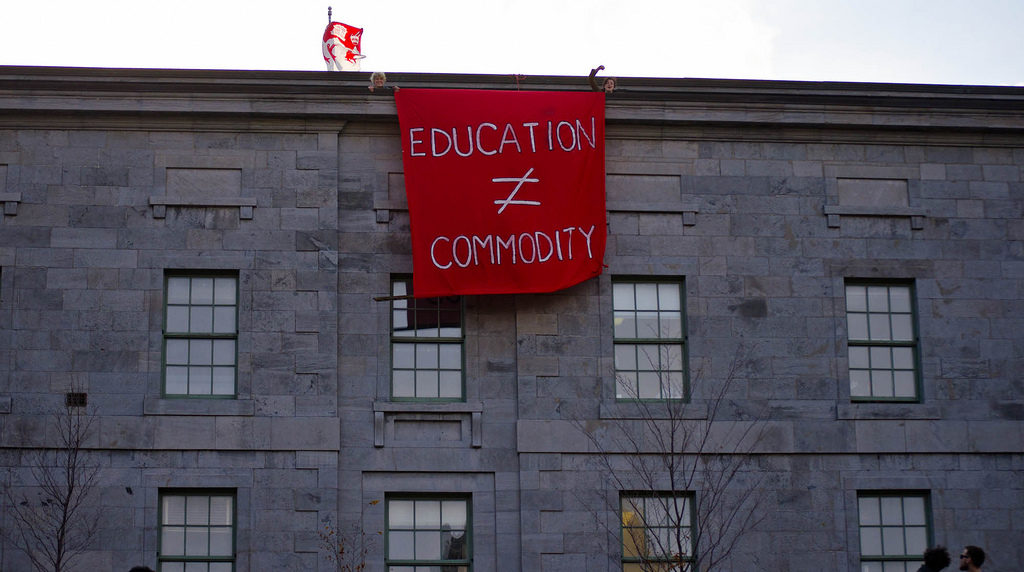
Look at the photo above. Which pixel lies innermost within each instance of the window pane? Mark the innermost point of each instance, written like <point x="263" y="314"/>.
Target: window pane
<point x="220" y="567"/>
<point x="903" y="358"/>
<point x="426" y="356"/>
<point x="857" y="326"/>
<point x="671" y="325"/>
<point x="200" y="352"/>
<point x="426" y="384"/>
<point x="224" y="291"/>
<point x="172" y="566"/>
<point x="197" y="510"/>
<point x="224" y="320"/>
<point x="172" y="540"/>
<point x="881" y="384"/>
<point x="917" y="540"/>
<point x="671" y="357"/>
<point x="201" y="319"/>
<point x="202" y="290"/>
<point x="400" y="514"/>
<point x="625" y="325"/>
<point x="450" y="384"/>
<point x="878" y="299"/>
<point x="870" y="541"/>
<point x="859" y="357"/>
<point x="173" y="510"/>
<point x="196" y="541"/>
<point x="913" y="510"/>
<point x="450" y="356"/>
<point x="892" y="510"/>
<point x="223" y="382"/>
<point x="903" y="384"/>
<point x="223" y="352"/>
<point x="177" y="319"/>
<point x="200" y="380"/>
<point x="197" y="567"/>
<point x="453" y="514"/>
<point x="899" y="299"/>
<point x="403" y="356"/>
<point x="646" y="296"/>
<point x="177" y="380"/>
<point x="647" y="325"/>
<point x="625" y="383"/>
<point x="622" y="296"/>
<point x="177" y="290"/>
<point x="881" y="357"/>
<point x="428" y="544"/>
<point x="177" y="351"/>
<point x="428" y="514"/>
<point x="403" y="383"/>
<point x="220" y="541"/>
<point x="453" y="544"/>
<point x="650" y="385"/>
<point x="668" y="296"/>
<point x="856" y="299"/>
<point x="902" y="327"/>
<point x="892" y="541"/>
<point x="676" y="385"/>
<point x="401" y="545"/>
<point x="625" y="357"/>
<point x="870" y="513"/>
<point x="648" y="357"/>
<point x="879" y="327"/>
<point x="860" y="383"/>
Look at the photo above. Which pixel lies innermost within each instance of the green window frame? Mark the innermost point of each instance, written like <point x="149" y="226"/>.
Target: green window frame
<point x="657" y="531"/>
<point x="649" y="333"/>
<point x="197" y="530"/>
<point x="429" y="532"/>
<point x="894" y="529"/>
<point x="882" y="340"/>
<point x="427" y="346"/>
<point x="200" y="349"/>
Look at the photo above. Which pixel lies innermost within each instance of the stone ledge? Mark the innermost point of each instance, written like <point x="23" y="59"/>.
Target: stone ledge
<point x="916" y="215"/>
<point x="245" y="204"/>
<point x="883" y="411"/>
<point x="428" y="412"/>
<point x="9" y="203"/>
<point x="185" y="406"/>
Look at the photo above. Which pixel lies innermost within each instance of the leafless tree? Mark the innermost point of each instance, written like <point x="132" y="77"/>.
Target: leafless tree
<point x="688" y="493"/>
<point x="346" y="551"/>
<point x="54" y="520"/>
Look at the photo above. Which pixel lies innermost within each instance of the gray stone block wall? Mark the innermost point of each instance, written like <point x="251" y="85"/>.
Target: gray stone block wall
<point x="313" y="438"/>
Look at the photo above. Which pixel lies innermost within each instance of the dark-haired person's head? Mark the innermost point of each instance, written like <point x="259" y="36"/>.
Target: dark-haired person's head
<point x="936" y="558"/>
<point x="971" y="555"/>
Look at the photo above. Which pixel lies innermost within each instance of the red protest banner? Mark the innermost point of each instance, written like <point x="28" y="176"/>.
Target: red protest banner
<point x="505" y="189"/>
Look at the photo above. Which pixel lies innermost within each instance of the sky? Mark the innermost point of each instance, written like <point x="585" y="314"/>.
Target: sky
<point x="978" y="42"/>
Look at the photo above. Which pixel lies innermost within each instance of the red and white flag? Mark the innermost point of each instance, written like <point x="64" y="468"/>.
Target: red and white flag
<point x="505" y="188"/>
<point x="341" y="47"/>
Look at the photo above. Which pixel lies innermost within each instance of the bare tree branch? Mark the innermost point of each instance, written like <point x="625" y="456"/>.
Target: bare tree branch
<point x="692" y="472"/>
<point x="58" y="523"/>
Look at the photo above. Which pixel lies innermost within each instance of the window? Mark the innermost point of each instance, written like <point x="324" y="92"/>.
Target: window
<point x="200" y="335"/>
<point x="882" y="342"/>
<point x="428" y="534"/>
<point x="197" y="531"/>
<point x="650" y="352"/>
<point x="426" y="345"/>
<point x="657" y="532"/>
<point x="894" y="530"/>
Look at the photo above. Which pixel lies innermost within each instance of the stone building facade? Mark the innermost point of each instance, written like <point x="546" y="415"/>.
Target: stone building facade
<point x="218" y="261"/>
